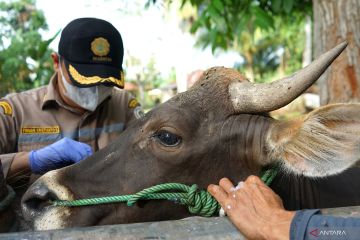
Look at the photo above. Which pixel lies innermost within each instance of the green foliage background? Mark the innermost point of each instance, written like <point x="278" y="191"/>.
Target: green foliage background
<point x="257" y="29"/>
<point x="25" y="60"/>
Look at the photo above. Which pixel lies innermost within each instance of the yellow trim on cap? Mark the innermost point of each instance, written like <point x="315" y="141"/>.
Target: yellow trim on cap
<point x="94" y="79"/>
<point x="7" y="108"/>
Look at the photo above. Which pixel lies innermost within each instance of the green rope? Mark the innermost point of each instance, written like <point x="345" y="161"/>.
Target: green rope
<point x="199" y="202"/>
<point x="268" y="175"/>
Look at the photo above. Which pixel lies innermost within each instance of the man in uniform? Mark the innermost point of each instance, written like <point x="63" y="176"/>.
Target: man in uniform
<point x="82" y="110"/>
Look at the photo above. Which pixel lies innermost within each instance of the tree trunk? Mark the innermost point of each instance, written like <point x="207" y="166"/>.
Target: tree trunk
<point x="336" y="21"/>
<point x="307" y="50"/>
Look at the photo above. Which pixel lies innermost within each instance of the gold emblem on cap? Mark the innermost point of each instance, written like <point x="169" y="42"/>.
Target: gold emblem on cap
<point x="100" y="46"/>
<point x="94" y="79"/>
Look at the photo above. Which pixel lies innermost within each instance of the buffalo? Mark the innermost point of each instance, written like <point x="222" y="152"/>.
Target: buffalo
<point x="219" y="127"/>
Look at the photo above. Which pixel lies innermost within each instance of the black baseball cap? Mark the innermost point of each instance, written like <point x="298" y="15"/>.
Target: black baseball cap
<point x="93" y="52"/>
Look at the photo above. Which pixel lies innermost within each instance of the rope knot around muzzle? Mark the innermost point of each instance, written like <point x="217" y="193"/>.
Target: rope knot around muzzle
<point x="199" y="202"/>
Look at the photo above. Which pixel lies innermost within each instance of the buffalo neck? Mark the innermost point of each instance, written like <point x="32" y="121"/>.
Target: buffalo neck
<point x="247" y="146"/>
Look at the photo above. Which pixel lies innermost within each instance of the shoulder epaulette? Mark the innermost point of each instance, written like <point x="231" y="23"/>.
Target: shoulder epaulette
<point x="8" y="110"/>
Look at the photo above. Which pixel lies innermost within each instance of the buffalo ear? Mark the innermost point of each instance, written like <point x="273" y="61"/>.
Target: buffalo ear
<point x="324" y="142"/>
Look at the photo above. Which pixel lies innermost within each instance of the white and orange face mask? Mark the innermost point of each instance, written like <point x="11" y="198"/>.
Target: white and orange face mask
<point x="87" y="98"/>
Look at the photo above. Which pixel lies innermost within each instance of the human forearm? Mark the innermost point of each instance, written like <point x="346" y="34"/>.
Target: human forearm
<point x="6" y="160"/>
<point x="278" y="227"/>
<point x="59" y="154"/>
<point x="19" y="167"/>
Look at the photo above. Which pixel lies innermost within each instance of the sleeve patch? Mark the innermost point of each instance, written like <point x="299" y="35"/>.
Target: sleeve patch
<point x="6" y="107"/>
<point x="138" y="112"/>
<point x="133" y="103"/>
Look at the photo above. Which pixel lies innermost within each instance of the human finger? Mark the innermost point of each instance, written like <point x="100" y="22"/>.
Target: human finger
<point x="259" y="186"/>
<point x="226" y="184"/>
<point x="218" y="193"/>
<point x="255" y="180"/>
<point x="242" y="196"/>
<point x="262" y="194"/>
<point x="222" y="197"/>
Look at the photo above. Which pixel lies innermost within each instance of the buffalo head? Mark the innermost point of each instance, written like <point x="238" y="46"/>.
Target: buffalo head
<point x="220" y="127"/>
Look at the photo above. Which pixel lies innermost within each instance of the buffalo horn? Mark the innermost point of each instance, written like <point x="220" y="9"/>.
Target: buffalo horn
<point x="254" y="98"/>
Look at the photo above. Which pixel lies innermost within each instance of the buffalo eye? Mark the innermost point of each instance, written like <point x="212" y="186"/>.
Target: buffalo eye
<point x="167" y="138"/>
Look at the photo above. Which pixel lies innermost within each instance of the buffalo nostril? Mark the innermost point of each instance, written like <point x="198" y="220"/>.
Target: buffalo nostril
<point x="35" y="200"/>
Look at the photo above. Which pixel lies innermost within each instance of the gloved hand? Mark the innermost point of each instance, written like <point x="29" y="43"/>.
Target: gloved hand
<point x="57" y="155"/>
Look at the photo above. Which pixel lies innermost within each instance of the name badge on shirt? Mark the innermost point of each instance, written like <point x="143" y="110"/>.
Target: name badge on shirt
<point x="40" y="130"/>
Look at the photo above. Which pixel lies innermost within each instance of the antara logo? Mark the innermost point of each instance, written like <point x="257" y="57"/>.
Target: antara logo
<point x="316" y="232"/>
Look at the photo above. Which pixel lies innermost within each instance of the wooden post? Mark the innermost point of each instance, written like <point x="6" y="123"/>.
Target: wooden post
<point x="336" y="21"/>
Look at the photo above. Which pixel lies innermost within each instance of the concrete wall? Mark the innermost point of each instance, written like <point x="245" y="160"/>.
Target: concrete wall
<point x="190" y="228"/>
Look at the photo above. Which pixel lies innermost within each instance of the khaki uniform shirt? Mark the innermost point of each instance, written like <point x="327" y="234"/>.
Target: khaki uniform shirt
<point x="36" y="118"/>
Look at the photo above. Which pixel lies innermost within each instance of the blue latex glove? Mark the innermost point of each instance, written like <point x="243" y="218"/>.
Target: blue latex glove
<point x="57" y="155"/>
